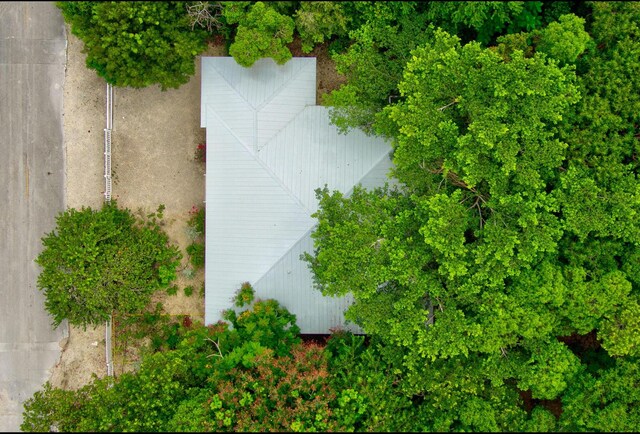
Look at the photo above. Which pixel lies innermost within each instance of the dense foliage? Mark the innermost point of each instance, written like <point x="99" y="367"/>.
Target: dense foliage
<point x="262" y="32"/>
<point x="199" y="378"/>
<point x="99" y="261"/>
<point x="382" y="35"/>
<point x="515" y="224"/>
<point x="137" y="43"/>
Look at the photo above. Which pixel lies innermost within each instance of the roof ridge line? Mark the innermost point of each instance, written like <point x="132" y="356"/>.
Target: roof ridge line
<point x="228" y="128"/>
<point x="385" y="155"/>
<point x="283" y="85"/>
<point x="276" y="178"/>
<point x="229" y="84"/>
<point x="286" y="253"/>
<point x="266" y="144"/>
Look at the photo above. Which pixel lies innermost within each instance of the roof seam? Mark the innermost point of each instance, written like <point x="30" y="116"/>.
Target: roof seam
<point x="385" y="155"/>
<point x="268" y="142"/>
<point x="257" y="281"/>
<point x="210" y="108"/>
<point x="231" y="86"/>
<point x="278" y="181"/>
<point x="359" y="181"/>
<point x="283" y="85"/>
<point x="298" y="241"/>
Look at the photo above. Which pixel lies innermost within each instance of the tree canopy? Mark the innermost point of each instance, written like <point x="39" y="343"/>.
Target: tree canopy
<point x="514" y="224"/>
<point x="262" y="32"/>
<point x="99" y="261"/>
<point x="137" y="44"/>
<point x="205" y="378"/>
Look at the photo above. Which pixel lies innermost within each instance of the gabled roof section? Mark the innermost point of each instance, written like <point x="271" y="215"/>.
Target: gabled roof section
<point x="309" y="153"/>
<point x="256" y="102"/>
<point x="268" y="148"/>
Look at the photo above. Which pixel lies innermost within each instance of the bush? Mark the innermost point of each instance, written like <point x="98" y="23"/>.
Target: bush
<point x="97" y="262"/>
<point x="189" y="273"/>
<point x="137" y="43"/>
<point x="196" y="254"/>
<point x="267" y="322"/>
<point x="197" y="219"/>
<point x="201" y="153"/>
<point x="262" y="32"/>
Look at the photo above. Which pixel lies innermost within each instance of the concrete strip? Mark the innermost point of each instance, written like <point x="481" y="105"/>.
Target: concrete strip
<point x="32" y="67"/>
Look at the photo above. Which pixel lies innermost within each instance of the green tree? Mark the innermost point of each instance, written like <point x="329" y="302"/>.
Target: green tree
<point x="477" y="173"/>
<point x="462" y="263"/>
<point x="514" y="224"/>
<point x="96" y="262"/>
<point x="137" y="43"/>
<point x="602" y="176"/>
<point x="288" y="393"/>
<point x="52" y="409"/>
<point x="600" y="197"/>
<point x="317" y="21"/>
<point x="142" y="401"/>
<point x="373" y="66"/>
<point x="383" y="35"/>
<point x="482" y="21"/>
<point x="608" y="401"/>
<point x="199" y="378"/>
<point x="563" y="40"/>
<point x="262" y="32"/>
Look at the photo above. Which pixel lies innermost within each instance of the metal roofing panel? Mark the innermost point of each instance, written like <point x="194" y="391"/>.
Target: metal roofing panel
<point x="264" y="79"/>
<point x="310" y="152"/>
<point x="267" y="150"/>
<point x="291" y="283"/>
<point x="248" y="229"/>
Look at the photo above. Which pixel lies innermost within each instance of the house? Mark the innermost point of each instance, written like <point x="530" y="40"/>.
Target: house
<point x="268" y="148"/>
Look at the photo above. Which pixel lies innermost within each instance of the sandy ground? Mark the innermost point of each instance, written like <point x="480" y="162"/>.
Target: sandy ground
<point x="154" y="138"/>
<point x="84" y="119"/>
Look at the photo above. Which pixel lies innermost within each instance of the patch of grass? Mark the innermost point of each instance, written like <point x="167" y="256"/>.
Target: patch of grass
<point x="188" y="290"/>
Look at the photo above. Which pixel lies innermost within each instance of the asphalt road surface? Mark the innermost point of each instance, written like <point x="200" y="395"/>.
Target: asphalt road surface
<point x="32" y="175"/>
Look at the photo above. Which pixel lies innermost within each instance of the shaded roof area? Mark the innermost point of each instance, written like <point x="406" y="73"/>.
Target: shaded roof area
<point x="268" y="148"/>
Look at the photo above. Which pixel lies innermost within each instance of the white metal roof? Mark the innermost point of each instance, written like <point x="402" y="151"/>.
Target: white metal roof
<point x="268" y="148"/>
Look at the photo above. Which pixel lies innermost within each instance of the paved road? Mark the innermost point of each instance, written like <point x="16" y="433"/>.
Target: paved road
<point x="32" y="63"/>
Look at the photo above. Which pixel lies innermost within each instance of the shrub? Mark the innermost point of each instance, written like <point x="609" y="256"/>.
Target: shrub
<point x="97" y="262"/>
<point x="196" y="254"/>
<point x="189" y="273"/>
<point x="201" y="153"/>
<point x="197" y="219"/>
<point x="188" y="290"/>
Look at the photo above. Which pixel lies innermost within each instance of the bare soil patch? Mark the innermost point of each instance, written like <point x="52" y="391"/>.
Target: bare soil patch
<point x="154" y="139"/>
<point x="327" y="78"/>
